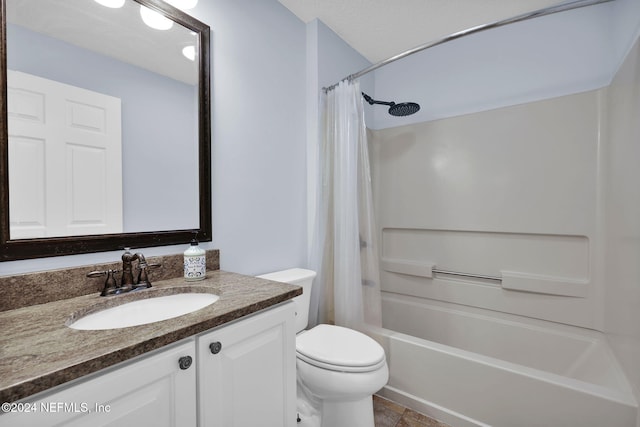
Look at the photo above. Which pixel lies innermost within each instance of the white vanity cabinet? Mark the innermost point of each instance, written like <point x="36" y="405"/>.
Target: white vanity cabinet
<point x="156" y="390"/>
<point x="241" y="374"/>
<point x="246" y="372"/>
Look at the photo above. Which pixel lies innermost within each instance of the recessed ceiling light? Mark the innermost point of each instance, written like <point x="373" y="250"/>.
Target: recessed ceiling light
<point x="189" y="52"/>
<point x="155" y="19"/>
<point x="114" y="4"/>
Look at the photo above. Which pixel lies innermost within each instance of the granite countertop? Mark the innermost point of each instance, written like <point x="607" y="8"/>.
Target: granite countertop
<point x="38" y="351"/>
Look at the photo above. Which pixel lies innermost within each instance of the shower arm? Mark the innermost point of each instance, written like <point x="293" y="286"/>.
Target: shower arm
<point x="372" y="101"/>
<point x="569" y="5"/>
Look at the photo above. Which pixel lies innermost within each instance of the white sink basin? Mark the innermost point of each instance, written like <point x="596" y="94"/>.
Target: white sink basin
<point x="143" y="311"/>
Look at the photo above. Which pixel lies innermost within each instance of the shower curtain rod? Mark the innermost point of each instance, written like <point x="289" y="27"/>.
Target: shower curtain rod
<point x="575" y="4"/>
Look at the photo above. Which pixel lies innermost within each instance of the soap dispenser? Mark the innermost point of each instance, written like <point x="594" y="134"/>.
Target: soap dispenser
<point x="195" y="263"/>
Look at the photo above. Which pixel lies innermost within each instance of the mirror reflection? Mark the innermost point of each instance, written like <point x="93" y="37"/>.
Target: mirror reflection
<point x="103" y="114"/>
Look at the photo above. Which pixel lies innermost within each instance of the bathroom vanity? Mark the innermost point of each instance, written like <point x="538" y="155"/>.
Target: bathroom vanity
<point x="230" y="363"/>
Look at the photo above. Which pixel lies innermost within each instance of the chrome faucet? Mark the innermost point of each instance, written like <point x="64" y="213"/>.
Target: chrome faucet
<point x="127" y="282"/>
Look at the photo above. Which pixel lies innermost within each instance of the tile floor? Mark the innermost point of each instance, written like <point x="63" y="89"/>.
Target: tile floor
<point x="391" y="414"/>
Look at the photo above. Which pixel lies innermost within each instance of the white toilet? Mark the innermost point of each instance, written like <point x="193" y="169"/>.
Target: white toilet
<point x="338" y="369"/>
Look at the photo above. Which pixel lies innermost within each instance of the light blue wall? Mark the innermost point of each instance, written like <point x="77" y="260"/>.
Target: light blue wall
<point x="337" y="60"/>
<point x="560" y="54"/>
<point x="258" y="143"/>
<point x="259" y="152"/>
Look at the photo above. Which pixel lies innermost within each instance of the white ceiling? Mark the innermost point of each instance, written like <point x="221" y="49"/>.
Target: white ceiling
<point x="379" y="29"/>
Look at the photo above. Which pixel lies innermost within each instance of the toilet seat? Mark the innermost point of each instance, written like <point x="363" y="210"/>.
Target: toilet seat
<point x="339" y="349"/>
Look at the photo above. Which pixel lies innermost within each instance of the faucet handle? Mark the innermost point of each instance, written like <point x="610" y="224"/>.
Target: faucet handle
<point x="110" y="285"/>
<point x="143" y="275"/>
<point x="93" y="274"/>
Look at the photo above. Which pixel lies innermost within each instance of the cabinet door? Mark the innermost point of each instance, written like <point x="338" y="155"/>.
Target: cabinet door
<point x="152" y="391"/>
<point x="247" y="372"/>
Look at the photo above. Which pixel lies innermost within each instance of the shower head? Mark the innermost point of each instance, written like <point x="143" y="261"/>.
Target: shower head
<point x="399" y="110"/>
<point x="404" y="109"/>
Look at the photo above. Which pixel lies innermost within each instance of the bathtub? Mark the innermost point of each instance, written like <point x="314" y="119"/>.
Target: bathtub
<point x="469" y="367"/>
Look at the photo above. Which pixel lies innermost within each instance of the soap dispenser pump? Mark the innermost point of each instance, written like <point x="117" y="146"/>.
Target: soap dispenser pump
<point x="195" y="263"/>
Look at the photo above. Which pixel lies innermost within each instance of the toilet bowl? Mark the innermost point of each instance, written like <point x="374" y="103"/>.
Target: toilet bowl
<point x="337" y="369"/>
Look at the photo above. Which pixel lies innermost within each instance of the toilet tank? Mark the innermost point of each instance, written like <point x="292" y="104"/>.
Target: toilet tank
<point x="300" y="277"/>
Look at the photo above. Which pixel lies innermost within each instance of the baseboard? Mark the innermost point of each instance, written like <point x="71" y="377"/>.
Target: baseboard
<point x="447" y="416"/>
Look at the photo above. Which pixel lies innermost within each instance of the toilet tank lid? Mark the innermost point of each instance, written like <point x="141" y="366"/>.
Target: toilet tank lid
<point x="293" y="275"/>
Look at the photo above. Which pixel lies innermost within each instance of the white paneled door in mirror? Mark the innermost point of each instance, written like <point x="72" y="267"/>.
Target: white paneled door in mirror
<point x="52" y="125"/>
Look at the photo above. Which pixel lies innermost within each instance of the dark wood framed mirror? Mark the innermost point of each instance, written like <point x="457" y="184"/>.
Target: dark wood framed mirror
<point x="151" y="178"/>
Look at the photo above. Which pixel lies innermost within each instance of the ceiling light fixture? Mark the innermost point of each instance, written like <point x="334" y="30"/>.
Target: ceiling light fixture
<point x="155" y="19"/>
<point x="113" y="4"/>
<point x="189" y="52"/>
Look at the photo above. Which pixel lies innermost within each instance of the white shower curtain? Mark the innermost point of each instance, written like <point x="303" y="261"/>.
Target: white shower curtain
<point x="344" y="254"/>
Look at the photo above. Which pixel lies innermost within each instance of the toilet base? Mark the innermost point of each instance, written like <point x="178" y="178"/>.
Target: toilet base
<point x="337" y="399"/>
<point x="357" y="413"/>
<point x="350" y="413"/>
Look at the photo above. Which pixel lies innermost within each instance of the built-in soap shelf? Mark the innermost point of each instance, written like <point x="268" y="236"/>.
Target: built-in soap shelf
<point x="509" y="280"/>
<point x="540" y="284"/>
